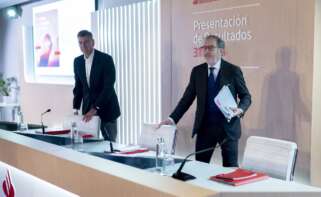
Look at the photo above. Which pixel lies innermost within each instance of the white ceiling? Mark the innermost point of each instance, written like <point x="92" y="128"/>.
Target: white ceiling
<point x="6" y="3"/>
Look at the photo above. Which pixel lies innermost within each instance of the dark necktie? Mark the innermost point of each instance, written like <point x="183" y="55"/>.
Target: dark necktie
<point x="211" y="77"/>
<point x="211" y="88"/>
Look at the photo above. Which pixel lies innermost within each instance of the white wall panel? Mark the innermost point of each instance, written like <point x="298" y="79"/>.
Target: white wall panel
<point x="131" y="34"/>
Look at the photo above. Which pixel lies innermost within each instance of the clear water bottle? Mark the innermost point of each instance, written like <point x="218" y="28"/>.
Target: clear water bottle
<point x="168" y="165"/>
<point x="160" y="153"/>
<point x="76" y="138"/>
<point x="72" y="132"/>
<point x="22" y="127"/>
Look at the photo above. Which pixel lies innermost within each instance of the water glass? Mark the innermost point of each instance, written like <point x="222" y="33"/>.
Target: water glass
<point x="168" y="163"/>
<point x="78" y="138"/>
<point x="23" y="127"/>
<point x="160" y="152"/>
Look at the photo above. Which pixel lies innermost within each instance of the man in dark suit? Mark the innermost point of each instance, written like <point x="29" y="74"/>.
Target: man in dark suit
<point x="210" y="125"/>
<point x="94" y="86"/>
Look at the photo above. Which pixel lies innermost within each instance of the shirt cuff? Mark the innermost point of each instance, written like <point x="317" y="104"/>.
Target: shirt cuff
<point x="171" y="119"/>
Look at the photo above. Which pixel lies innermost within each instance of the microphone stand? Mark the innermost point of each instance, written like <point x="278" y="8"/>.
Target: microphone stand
<point x="184" y="176"/>
<point x="41" y="118"/>
<point x="42" y="126"/>
<point x="111" y="147"/>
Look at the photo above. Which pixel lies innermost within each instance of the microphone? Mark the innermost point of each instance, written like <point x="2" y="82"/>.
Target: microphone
<point x="184" y="176"/>
<point x="48" y="110"/>
<point x="42" y="126"/>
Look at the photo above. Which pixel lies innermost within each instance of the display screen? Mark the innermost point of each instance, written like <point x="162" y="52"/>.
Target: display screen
<point x="55" y="28"/>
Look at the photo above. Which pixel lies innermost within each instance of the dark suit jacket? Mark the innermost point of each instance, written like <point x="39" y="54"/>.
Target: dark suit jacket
<point x="197" y="87"/>
<point x="101" y="92"/>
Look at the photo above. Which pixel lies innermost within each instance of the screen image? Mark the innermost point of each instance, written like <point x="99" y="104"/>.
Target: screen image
<point x="46" y="39"/>
<point x="54" y="33"/>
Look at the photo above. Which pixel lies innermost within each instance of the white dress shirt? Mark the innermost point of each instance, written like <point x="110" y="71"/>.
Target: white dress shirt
<point x="88" y="64"/>
<point x="217" y="68"/>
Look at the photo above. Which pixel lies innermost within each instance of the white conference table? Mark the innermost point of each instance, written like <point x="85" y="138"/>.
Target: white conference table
<point x="202" y="172"/>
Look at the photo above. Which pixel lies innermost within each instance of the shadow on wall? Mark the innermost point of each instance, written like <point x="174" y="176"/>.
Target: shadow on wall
<point x="281" y="98"/>
<point x="284" y="114"/>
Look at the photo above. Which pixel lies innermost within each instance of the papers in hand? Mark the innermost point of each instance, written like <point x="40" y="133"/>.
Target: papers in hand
<point x="225" y="101"/>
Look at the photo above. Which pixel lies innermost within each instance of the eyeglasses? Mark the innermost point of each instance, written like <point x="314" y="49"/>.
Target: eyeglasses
<point x="209" y="47"/>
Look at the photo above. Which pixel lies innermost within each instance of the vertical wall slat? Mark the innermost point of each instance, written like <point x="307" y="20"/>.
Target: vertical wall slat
<point x="131" y="34"/>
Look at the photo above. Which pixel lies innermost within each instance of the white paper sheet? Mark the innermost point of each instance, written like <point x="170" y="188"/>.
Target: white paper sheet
<point x="225" y="101"/>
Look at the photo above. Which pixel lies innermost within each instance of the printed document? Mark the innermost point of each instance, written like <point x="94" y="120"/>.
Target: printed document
<point x="225" y="101"/>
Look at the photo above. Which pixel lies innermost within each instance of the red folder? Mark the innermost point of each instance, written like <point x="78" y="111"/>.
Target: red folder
<point x="142" y="150"/>
<point x="239" y="177"/>
<point x="58" y="132"/>
<point x="87" y="135"/>
<point x="66" y="131"/>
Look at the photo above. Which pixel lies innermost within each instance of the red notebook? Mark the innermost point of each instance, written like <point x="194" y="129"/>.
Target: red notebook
<point x="239" y="177"/>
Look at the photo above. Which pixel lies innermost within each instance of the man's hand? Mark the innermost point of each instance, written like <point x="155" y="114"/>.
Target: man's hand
<point x="237" y="111"/>
<point x="88" y="116"/>
<point x="165" y="122"/>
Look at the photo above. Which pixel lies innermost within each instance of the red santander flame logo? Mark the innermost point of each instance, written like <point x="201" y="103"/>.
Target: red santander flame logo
<point x="202" y="1"/>
<point x="7" y="186"/>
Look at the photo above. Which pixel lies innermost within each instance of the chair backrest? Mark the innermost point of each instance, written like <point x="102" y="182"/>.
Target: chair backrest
<point x="274" y="157"/>
<point x="92" y="127"/>
<point x="150" y="133"/>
